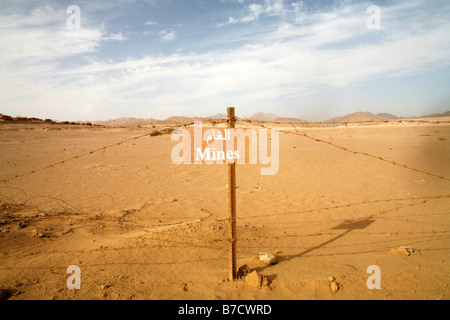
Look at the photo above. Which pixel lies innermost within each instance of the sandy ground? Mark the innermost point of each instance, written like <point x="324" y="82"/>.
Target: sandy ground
<point x="141" y="227"/>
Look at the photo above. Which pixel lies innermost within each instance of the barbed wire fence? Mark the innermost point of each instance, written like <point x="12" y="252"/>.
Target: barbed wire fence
<point x="305" y="124"/>
<point x="304" y="134"/>
<point x="296" y="126"/>
<point x="153" y="132"/>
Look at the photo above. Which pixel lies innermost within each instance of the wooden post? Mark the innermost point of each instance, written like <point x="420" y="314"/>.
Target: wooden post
<point x="232" y="204"/>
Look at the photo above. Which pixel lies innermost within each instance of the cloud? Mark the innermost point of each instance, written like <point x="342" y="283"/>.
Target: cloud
<point x="274" y="7"/>
<point x="150" y="23"/>
<point x="167" y="35"/>
<point x="114" y="37"/>
<point x="255" y="10"/>
<point x="43" y="36"/>
<point x="326" y="50"/>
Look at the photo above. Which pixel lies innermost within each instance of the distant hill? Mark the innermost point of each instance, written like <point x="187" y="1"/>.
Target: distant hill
<point x="387" y="115"/>
<point x="360" y="116"/>
<point x="367" y="116"/>
<point x="285" y="119"/>
<point x="218" y="116"/>
<point x="178" y="120"/>
<point x="434" y="115"/>
<point x="126" y="122"/>
<point x="260" y="116"/>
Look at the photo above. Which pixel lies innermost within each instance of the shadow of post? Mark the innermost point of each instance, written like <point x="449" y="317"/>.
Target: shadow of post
<point x="347" y="226"/>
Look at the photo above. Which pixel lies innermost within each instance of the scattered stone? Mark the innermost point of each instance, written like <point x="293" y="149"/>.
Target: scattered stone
<point x="268" y="258"/>
<point x="22" y="225"/>
<point x="402" y="251"/>
<point x="155" y="133"/>
<point x="2" y="222"/>
<point x="256" y="280"/>
<point x="36" y="233"/>
<point x="334" y="287"/>
<point x="243" y="271"/>
<point x="67" y="231"/>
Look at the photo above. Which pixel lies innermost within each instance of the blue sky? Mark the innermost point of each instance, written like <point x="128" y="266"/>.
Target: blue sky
<point x="308" y="59"/>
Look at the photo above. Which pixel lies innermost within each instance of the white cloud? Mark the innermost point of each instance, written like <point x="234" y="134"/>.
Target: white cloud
<point x="167" y="35"/>
<point x="114" y="37"/>
<point x="43" y="36"/>
<point x="255" y="10"/>
<point x="150" y="23"/>
<point x="292" y="61"/>
<point x="275" y="7"/>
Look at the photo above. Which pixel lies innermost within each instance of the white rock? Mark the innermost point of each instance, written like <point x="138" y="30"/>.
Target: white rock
<point x="268" y="258"/>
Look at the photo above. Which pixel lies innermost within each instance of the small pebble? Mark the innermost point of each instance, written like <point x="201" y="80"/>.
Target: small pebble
<point x="268" y="258"/>
<point x="334" y="287"/>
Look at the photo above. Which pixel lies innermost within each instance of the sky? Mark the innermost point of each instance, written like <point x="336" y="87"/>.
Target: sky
<point x="313" y="60"/>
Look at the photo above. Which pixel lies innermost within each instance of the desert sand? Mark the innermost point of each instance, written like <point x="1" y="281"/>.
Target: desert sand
<point x="140" y="227"/>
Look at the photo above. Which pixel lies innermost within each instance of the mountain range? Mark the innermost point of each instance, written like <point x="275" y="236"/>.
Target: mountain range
<point x="364" y="116"/>
<point x="260" y="116"/>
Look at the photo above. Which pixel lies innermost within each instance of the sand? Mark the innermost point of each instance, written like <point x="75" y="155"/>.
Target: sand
<point x="140" y="227"/>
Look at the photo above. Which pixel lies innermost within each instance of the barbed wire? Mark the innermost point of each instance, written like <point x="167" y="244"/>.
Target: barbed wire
<point x="204" y="243"/>
<point x="330" y="231"/>
<point x="327" y="230"/>
<point x="444" y="196"/>
<point x="320" y="123"/>
<point x="57" y="127"/>
<point x="208" y="244"/>
<point x="303" y="134"/>
<point x="317" y="234"/>
<point x="164" y="129"/>
<point x="80" y="156"/>
<point x="38" y="126"/>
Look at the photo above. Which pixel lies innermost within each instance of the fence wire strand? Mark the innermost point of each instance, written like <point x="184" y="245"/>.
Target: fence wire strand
<point x="161" y="130"/>
<point x="303" y="134"/>
<point x="325" y="232"/>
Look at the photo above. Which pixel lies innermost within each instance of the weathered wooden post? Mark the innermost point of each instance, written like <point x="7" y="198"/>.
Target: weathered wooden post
<point x="232" y="203"/>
